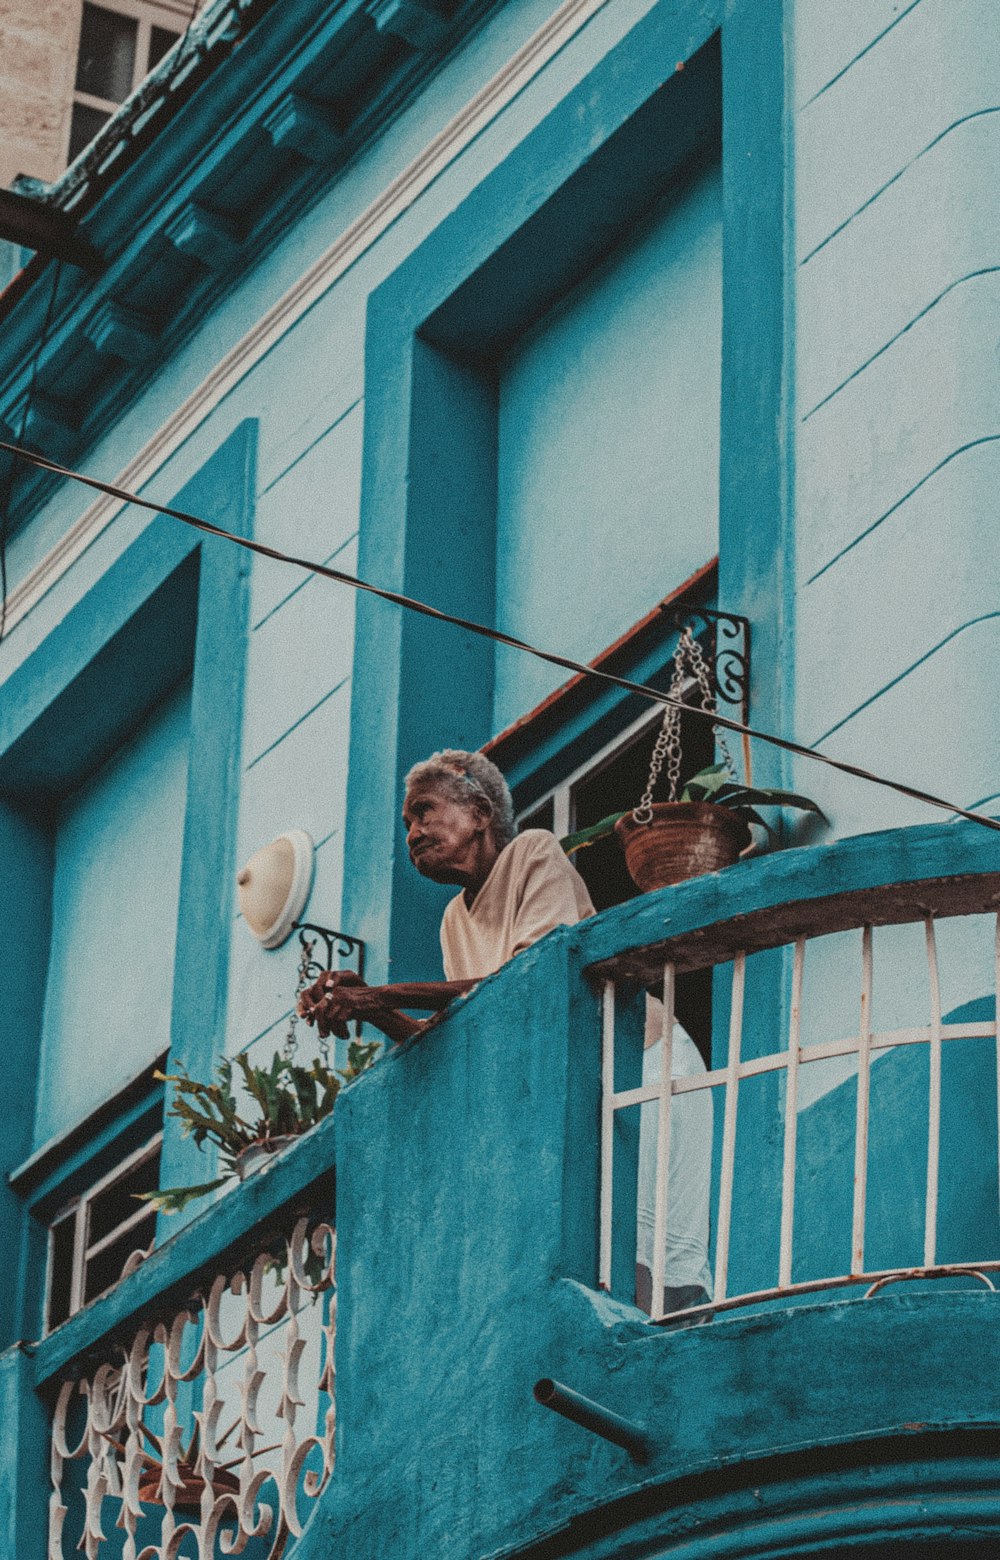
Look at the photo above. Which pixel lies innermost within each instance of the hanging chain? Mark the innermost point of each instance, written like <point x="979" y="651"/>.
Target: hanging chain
<point x="667" y="748"/>
<point x="668" y="741"/>
<point x="291" y="1043"/>
<point x="700" y="668"/>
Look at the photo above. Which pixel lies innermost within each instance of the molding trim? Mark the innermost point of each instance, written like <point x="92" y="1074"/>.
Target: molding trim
<point x="399" y="195"/>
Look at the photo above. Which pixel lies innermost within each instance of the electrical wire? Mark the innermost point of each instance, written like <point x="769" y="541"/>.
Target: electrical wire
<point x="7" y="490"/>
<point x="498" y="637"/>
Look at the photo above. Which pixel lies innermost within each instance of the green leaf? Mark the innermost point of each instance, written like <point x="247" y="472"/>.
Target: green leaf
<point x="707" y="781"/>
<point x="329" y="1084"/>
<point x="253" y="1078"/>
<point x="360" y="1055"/>
<point x="737" y="795"/>
<point x="291" y="1099"/>
<point x="202" y="1125"/>
<point x="590" y="835"/>
<point x="174" y="1199"/>
<point x="749" y="815"/>
<point x="305" y="1093"/>
<point x="287" y="1118"/>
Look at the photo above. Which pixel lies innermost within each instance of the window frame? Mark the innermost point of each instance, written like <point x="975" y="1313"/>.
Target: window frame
<point x="171" y="15"/>
<point x="78" y="1209"/>
<point x="518" y="242"/>
<point x="561" y="793"/>
<point x="561" y="746"/>
<point x="69" y="672"/>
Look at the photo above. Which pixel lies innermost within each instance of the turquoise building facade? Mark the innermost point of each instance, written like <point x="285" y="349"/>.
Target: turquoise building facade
<point x="547" y="316"/>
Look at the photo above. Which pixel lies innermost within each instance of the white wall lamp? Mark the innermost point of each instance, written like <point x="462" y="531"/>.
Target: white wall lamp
<point x="274" y="885"/>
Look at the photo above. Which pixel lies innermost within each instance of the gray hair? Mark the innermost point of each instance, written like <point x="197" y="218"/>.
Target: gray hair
<point x="466" y="778"/>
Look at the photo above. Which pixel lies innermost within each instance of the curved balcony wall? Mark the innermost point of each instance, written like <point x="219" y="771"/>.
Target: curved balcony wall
<point x="469" y="1229"/>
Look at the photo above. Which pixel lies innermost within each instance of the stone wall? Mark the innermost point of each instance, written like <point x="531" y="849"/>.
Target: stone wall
<point x="37" y="54"/>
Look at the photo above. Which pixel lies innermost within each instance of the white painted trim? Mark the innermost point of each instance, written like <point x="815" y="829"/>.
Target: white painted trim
<point x="399" y="195"/>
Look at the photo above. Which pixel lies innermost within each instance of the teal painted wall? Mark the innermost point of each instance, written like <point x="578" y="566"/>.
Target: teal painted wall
<point x="610" y="408"/>
<point x="896" y="419"/>
<point x="967" y="1212"/>
<point x="27" y="868"/>
<point x="115" y="891"/>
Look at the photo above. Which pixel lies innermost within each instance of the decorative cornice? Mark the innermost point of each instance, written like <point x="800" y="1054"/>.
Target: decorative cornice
<point x="304" y="128"/>
<point x="118" y="332"/>
<point x="204" y="236"/>
<point x="394" y="201"/>
<point x="415" y="21"/>
<point x="210" y="38"/>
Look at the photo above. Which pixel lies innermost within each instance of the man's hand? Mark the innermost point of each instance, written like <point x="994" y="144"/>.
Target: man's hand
<point x="337" y="997"/>
<point x="340" y="996"/>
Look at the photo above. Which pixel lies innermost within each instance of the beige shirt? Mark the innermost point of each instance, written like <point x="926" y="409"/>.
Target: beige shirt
<point x="531" y="888"/>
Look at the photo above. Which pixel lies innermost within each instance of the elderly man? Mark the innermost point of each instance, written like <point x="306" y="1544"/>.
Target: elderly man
<point x="513" y="889"/>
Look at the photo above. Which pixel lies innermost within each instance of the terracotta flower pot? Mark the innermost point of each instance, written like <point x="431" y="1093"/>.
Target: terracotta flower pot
<point x="684" y="840"/>
<point x="255" y="1155"/>
<point x="187" y="1498"/>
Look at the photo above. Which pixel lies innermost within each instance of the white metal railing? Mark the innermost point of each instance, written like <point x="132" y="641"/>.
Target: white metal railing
<point x="791" y="1061"/>
<point x="210" y="1429"/>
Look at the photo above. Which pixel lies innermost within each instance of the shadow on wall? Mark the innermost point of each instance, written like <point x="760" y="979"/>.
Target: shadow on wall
<point x="967" y="1221"/>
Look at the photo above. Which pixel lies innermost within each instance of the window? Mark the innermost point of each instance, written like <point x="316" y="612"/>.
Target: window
<point x="101" y="1235"/>
<point x="118" y="778"/>
<point x="612" y="780"/>
<point x="118" y="48"/>
<point x="608" y="781"/>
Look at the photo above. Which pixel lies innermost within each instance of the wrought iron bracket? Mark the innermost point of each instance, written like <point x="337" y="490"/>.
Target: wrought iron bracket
<point x="728" y="650"/>
<point x="339" y="945"/>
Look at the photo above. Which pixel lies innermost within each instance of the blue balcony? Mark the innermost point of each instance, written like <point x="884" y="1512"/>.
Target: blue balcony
<point x="484" y="1183"/>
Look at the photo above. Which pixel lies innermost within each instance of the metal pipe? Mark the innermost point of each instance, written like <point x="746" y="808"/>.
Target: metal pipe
<point x="593" y="1416"/>
<point x="45" y="229"/>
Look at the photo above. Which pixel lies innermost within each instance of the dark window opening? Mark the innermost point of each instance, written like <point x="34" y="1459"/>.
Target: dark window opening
<point x="542" y="817"/>
<point x="61" y="1240"/>
<point x="161" y="40"/>
<point x="105" y="65"/>
<point x="618" y="783"/>
<point x="84" y="126"/>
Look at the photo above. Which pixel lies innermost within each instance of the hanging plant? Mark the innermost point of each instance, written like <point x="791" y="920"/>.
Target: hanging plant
<point x="289" y="1099"/>
<point x="707" y="826"/>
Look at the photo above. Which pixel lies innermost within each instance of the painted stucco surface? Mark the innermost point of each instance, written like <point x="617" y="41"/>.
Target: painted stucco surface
<point x="844" y="465"/>
<point x="896" y="399"/>
<point x="308" y="393"/>
<point x="611" y="407"/>
<point x="116" y="884"/>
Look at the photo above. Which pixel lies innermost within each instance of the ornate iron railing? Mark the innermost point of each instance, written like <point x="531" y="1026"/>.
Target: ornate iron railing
<point x="211" y="1431"/>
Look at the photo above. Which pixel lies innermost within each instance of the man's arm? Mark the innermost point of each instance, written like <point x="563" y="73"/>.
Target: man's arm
<point x="339" y="997"/>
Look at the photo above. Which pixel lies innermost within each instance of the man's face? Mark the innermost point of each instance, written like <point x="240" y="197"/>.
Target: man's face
<point x="444" y="837"/>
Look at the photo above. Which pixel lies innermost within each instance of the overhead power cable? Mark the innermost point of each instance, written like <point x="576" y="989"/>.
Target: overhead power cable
<point x="500" y="638"/>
